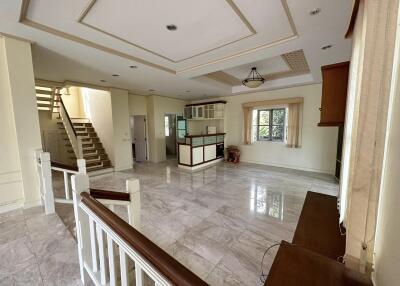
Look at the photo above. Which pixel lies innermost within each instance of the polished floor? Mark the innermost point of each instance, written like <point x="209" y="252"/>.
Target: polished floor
<point x="36" y="250"/>
<point x="217" y="222"/>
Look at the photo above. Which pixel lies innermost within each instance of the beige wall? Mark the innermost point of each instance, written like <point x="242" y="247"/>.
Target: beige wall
<point x="19" y="126"/>
<point x="137" y="104"/>
<point x="318" y="151"/>
<point x="99" y="112"/>
<point x="74" y="103"/>
<point x="157" y="107"/>
<point x="122" y="133"/>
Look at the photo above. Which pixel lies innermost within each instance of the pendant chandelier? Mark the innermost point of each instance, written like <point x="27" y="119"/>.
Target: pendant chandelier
<point x="254" y="79"/>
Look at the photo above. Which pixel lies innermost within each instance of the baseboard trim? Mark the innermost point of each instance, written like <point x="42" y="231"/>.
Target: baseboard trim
<point x="11" y="206"/>
<point x="289" y="167"/>
<point x="32" y="204"/>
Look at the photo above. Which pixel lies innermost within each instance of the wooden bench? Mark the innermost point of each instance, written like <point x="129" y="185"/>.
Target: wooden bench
<point x="312" y="258"/>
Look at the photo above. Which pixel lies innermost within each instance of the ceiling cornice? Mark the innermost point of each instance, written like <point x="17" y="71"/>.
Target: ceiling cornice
<point x="24" y="20"/>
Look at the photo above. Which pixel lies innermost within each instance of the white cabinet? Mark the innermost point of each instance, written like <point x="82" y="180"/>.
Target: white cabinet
<point x="206" y="111"/>
<point x="197" y="155"/>
<point x="210" y="152"/>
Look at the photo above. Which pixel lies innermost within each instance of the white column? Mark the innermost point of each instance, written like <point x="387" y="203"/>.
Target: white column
<point x="80" y="183"/>
<point x="133" y="188"/>
<point x="48" y="196"/>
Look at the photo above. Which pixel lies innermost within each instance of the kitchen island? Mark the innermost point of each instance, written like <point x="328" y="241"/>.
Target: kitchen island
<point x="199" y="151"/>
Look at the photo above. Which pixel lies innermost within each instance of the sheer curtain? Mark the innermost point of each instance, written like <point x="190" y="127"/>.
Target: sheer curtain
<point x="295" y="111"/>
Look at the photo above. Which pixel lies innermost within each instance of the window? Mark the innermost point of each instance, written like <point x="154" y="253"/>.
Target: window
<point x="269" y="124"/>
<point x="166" y="123"/>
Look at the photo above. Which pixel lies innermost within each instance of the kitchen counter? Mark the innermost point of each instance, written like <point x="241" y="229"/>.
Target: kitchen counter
<point x="199" y="151"/>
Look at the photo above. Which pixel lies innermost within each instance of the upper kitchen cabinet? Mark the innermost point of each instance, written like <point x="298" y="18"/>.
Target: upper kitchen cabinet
<point x="334" y="94"/>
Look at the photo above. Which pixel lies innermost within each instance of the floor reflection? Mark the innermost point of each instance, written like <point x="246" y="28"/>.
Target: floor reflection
<point x="263" y="201"/>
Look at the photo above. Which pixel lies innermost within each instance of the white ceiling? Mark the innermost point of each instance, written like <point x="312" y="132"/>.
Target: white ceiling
<point x="88" y="40"/>
<point x="267" y="66"/>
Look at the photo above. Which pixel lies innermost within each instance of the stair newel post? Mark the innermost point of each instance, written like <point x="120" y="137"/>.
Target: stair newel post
<point x="80" y="184"/>
<point x="81" y="166"/>
<point x="133" y="188"/>
<point x="80" y="147"/>
<point x="47" y="184"/>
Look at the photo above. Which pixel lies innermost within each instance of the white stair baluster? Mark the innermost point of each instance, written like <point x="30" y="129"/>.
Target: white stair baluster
<point x="111" y="260"/>
<point x="66" y="185"/>
<point x="100" y="240"/>
<point x="138" y="275"/>
<point x="93" y="244"/>
<point x="124" y="267"/>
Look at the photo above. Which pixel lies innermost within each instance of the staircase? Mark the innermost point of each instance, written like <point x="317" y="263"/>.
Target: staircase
<point x="92" y="148"/>
<point x="97" y="161"/>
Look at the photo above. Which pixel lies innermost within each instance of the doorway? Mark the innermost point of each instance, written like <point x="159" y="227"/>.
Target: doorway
<point x="170" y="135"/>
<point x="139" y="140"/>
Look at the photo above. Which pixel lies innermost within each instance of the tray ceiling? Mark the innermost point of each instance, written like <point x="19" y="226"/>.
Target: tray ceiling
<point x="209" y="31"/>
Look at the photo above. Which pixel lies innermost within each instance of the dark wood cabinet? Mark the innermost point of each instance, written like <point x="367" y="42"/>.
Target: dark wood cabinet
<point x="334" y="94"/>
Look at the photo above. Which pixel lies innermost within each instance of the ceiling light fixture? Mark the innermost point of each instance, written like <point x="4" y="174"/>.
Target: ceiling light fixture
<point x="103" y="80"/>
<point x="171" y="27"/>
<point x="327" y="47"/>
<point x="315" y="12"/>
<point x="151" y="90"/>
<point x="133" y="67"/>
<point x="188" y="91"/>
<point x="115" y="75"/>
<point x="254" y="79"/>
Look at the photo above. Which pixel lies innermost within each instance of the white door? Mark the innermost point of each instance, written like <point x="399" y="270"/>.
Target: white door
<point x="139" y="137"/>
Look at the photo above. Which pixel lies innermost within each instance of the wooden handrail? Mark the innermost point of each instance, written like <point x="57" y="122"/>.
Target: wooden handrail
<point x="174" y="271"/>
<point x="63" y="166"/>
<point x="69" y="119"/>
<point x="110" y="195"/>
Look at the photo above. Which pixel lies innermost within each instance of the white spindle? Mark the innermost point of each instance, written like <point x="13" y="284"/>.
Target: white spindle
<point x="93" y="244"/>
<point x="133" y="188"/>
<point x="66" y="185"/>
<point x="124" y="267"/>
<point x="100" y="240"/>
<point x="111" y="260"/>
<point x="48" y="197"/>
<point x="80" y="183"/>
<point x="138" y="275"/>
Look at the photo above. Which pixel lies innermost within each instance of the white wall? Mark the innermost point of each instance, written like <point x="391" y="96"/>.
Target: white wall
<point x="318" y="151"/>
<point x="19" y="123"/>
<point x="122" y="134"/>
<point x="137" y="104"/>
<point x="98" y="110"/>
<point x="74" y="103"/>
<point x="157" y="107"/>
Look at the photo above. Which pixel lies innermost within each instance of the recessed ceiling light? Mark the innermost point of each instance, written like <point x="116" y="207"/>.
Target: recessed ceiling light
<point x="103" y="80"/>
<point x="133" y="67"/>
<point x="171" y="27"/>
<point x="327" y="47"/>
<point x="315" y="12"/>
<point x="115" y="75"/>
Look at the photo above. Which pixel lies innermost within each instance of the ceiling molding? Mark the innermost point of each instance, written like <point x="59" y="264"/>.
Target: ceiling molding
<point x="5" y="35"/>
<point x="91" y="3"/>
<point x="224" y="78"/>
<point x="24" y="20"/>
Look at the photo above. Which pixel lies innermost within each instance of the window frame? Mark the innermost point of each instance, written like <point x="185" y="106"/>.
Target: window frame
<point x="271" y="125"/>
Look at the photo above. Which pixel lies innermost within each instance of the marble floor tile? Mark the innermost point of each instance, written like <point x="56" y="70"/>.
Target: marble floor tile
<point x="218" y="222"/>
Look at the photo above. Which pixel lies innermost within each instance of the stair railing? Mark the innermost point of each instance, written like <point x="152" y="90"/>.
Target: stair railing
<point x="104" y="238"/>
<point x="67" y="171"/>
<point x="76" y="141"/>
